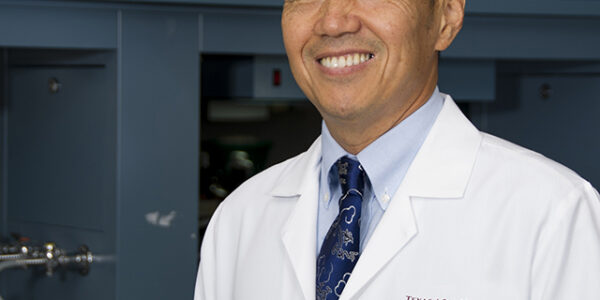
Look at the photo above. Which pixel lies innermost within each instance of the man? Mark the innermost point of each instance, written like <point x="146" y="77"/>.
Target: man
<point x="401" y="197"/>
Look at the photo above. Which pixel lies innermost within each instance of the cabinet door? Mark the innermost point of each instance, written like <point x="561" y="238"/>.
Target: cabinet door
<point x="61" y="172"/>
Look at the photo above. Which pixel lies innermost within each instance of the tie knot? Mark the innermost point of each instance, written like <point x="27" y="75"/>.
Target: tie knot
<point x="351" y="175"/>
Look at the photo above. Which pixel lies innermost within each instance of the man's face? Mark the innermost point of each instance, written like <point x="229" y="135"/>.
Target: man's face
<point x="362" y="58"/>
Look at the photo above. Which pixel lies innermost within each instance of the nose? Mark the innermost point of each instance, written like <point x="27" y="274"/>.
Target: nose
<point x="336" y="18"/>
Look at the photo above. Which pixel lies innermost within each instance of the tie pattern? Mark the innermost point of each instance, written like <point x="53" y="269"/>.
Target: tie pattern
<point x="340" y="250"/>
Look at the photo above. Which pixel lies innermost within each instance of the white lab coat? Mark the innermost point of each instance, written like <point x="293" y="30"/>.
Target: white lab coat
<point x="476" y="217"/>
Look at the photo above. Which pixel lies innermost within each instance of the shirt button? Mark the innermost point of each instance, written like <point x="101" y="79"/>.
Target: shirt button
<point x="386" y="198"/>
<point x="326" y="197"/>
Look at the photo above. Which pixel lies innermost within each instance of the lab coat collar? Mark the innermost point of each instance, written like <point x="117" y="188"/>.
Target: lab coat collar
<point x="441" y="168"/>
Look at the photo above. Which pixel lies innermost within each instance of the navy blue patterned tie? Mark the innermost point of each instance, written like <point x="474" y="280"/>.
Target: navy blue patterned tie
<point x="340" y="250"/>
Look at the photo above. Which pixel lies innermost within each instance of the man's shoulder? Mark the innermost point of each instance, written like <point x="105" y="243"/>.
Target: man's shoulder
<point x="521" y="167"/>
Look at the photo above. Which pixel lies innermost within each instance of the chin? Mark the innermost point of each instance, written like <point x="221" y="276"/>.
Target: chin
<point x="342" y="112"/>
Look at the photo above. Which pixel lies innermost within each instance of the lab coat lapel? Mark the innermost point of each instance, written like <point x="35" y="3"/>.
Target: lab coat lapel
<point x="441" y="169"/>
<point x="395" y="229"/>
<point x="300" y="184"/>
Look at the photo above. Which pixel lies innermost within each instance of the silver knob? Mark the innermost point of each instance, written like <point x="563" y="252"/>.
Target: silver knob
<point x="54" y="85"/>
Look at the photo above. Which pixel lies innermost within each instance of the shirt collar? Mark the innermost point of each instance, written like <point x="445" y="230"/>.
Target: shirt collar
<point x="398" y="145"/>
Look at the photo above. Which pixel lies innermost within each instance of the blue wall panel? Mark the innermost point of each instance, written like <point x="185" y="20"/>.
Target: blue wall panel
<point x="61" y="27"/>
<point x="468" y="80"/>
<point x="511" y="37"/>
<point x="3" y="138"/>
<point x="158" y="154"/>
<point x="242" y="32"/>
<point x="263" y="3"/>
<point x="508" y="7"/>
<point x="535" y="7"/>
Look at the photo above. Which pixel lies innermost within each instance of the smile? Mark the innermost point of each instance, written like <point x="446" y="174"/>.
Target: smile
<point x="336" y="62"/>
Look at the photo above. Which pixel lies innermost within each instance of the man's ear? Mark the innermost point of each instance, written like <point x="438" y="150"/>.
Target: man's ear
<point x="452" y="14"/>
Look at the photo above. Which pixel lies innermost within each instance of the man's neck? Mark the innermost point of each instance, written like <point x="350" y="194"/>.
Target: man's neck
<point x="356" y="134"/>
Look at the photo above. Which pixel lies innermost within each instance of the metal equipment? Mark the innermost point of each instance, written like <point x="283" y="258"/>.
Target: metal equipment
<point x="24" y="254"/>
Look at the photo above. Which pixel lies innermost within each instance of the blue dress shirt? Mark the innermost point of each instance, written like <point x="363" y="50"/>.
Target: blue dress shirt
<point x="385" y="162"/>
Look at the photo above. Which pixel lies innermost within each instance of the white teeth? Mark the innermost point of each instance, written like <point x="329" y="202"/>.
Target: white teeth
<point x="345" y="60"/>
<point x="342" y="61"/>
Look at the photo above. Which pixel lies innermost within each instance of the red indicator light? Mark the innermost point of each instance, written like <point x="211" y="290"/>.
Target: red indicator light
<point x="276" y="77"/>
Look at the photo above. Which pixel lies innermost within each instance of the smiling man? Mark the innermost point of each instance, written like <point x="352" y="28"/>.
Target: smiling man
<point x="401" y="197"/>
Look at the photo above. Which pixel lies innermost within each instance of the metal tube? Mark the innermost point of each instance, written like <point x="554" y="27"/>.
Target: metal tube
<point x="50" y="256"/>
<point x="22" y="263"/>
<point x="4" y="257"/>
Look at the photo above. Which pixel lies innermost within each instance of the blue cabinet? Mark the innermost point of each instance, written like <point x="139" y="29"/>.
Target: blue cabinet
<point x="60" y="164"/>
<point x="52" y="26"/>
<point x="109" y="159"/>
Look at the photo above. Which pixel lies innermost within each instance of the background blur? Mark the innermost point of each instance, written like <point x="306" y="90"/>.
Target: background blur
<point x="123" y="124"/>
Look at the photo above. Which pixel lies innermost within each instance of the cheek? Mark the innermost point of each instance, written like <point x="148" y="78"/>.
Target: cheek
<point x="288" y="25"/>
<point x="295" y="37"/>
<point x="293" y="46"/>
<point x="288" y="38"/>
<point x="300" y="73"/>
